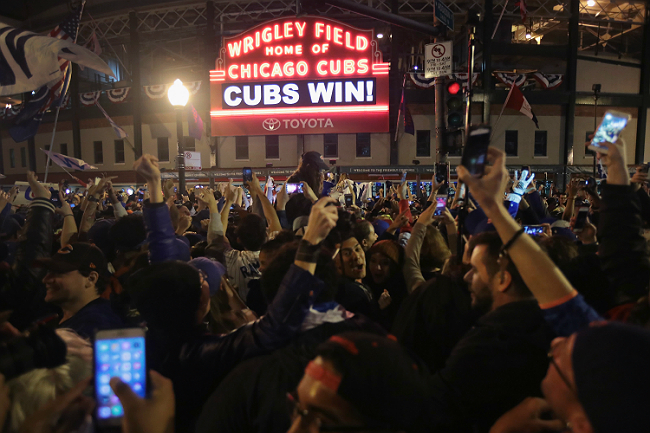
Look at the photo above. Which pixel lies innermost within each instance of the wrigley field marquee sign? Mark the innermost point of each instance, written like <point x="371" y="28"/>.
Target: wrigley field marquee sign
<point x="306" y="75"/>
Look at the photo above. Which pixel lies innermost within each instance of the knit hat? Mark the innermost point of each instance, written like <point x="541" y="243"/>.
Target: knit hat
<point x="213" y="270"/>
<point x="610" y="365"/>
<point x="388" y="248"/>
<point x="378" y="377"/>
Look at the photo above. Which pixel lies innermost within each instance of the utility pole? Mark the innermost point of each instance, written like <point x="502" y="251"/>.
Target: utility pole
<point x="441" y="129"/>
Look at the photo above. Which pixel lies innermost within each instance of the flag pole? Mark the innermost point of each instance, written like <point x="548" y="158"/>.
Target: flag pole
<point x="47" y="162"/>
<point x="399" y="111"/>
<point x="499" y="21"/>
<point x="503" y="108"/>
<point x="62" y="96"/>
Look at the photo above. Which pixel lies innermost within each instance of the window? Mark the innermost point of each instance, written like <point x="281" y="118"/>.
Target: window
<point x="99" y="152"/>
<point x="119" y="151"/>
<point x="12" y="158"/>
<point x="272" y="147"/>
<point x="23" y="157"/>
<point x="47" y="147"/>
<point x="540" y="143"/>
<point x="241" y="147"/>
<point x="423" y="143"/>
<point x="363" y="145"/>
<point x="331" y="146"/>
<point x="189" y="144"/>
<point x="63" y="148"/>
<point x="512" y="143"/>
<point x="163" y="149"/>
<point x="589" y="152"/>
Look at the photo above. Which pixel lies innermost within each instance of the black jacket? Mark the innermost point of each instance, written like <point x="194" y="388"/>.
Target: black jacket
<point x="197" y="362"/>
<point x="253" y="396"/>
<point x="622" y="248"/>
<point x="498" y="363"/>
<point x="23" y="290"/>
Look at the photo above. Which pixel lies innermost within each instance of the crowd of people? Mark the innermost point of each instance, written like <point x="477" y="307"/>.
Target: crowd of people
<point x="267" y="310"/>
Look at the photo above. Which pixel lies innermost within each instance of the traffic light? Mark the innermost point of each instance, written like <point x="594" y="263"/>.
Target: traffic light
<point x="455" y="105"/>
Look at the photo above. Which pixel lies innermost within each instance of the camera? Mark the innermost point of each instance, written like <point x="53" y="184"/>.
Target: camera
<point x="40" y="347"/>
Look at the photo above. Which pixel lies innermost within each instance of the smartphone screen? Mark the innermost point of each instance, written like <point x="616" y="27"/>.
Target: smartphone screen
<point x="442" y="172"/>
<point x="609" y="129"/>
<point x="118" y="353"/>
<point x="581" y="219"/>
<point x="475" y="154"/>
<point x="441" y="203"/>
<point x="403" y="177"/>
<point x="72" y="205"/>
<point x="294" y="187"/>
<point x="534" y="230"/>
<point x="348" y="200"/>
<point x="247" y="174"/>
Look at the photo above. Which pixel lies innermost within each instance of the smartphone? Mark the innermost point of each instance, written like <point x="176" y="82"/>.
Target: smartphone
<point x="55" y="198"/>
<point x="348" y="200"/>
<point x="294" y="187"/>
<point x="462" y="194"/>
<point x="247" y="174"/>
<point x="118" y="353"/>
<point x="72" y="205"/>
<point x="441" y="204"/>
<point x="534" y="230"/>
<point x="442" y="172"/>
<point x="403" y="177"/>
<point x="474" y="156"/>
<point x="613" y="123"/>
<point x="581" y="219"/>
<point x="644" y="168"/>
<point x="388" y="185"/>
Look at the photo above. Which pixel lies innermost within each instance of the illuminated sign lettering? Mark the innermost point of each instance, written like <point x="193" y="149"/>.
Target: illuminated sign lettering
<point x="290" y="70"/>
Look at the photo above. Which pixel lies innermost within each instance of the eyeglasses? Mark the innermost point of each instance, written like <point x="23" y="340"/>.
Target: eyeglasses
<point x="202" y="277"/>
<point x="561" y="374"/>
<point x="308" y="417"/>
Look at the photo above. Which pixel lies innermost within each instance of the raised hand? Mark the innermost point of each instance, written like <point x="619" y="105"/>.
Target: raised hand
<point x="427" y="217"/>
<point x="400" y="221"/>
<point x="308" y="192"/>
<point x="322" y="219"/>
<point x="38" y="189"/>
<point x="282" y="198"/>
<point x="13" y="193"/>
<point x="488" y="190"/>
<point x="147" y="167"/>
<point x="520" y="184"/>
<point x="254" y="185"/>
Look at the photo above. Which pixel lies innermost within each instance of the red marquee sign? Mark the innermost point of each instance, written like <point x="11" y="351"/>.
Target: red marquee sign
<point x="306" y="75"/>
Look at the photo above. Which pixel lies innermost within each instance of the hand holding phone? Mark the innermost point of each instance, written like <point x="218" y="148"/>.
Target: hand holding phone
<point x="348" y="200"/>
<point x="581" y="219"/>
<point x="118" y="353"/>
<point x="247" y="175"/>
<point x="534" y="230"/>
<point x="474" y="156"/>
<point x="441" y="204"/>
<point x="294" y="187"/>
<point x="609" y="130"/>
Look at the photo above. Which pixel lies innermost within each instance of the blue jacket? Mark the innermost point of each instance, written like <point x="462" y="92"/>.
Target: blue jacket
<point x="163" y="244"/>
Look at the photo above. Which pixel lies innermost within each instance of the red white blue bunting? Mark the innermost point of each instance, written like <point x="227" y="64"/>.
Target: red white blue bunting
<point x="118" y="95"/>
<point x="426" y="83"/>
<point x="510" y="79"/>
<point x="193" y="87"/>
<point x="89" y="98"/>
<point x="157" y="91"/>
<point x="548" y="81"/>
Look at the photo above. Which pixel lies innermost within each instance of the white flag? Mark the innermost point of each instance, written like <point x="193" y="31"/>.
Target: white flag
<point x="67" y="162"/>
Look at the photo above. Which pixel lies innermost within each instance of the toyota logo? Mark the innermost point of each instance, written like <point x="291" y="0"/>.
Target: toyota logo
<point x="271" y="124"/>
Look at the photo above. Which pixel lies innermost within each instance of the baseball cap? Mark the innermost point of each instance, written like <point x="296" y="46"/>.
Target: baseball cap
<point x="79" y="256"/>
<point x="214" y="271"/>
<point x="379" y="378"/>
<point x="315" y="158"/>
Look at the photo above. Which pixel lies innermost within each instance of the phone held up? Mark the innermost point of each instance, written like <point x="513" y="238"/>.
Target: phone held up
<point x="442" y="173"/>
<point x="348" y="200"/>
<point x="534" y="230"/>
<point x="118" y="353"/>
<point x="441" y="204"/>
<point x="474" y="156"/>
<point x="294" y="187"/>
<point x="581" y="219"/>
<point x="247" y="174"/>
<point x="610" y="128"/>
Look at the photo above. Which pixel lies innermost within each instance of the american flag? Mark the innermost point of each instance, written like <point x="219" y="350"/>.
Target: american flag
<point x="28" y="121"/>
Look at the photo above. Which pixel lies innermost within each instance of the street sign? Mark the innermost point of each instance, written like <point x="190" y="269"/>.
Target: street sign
<point x="438" y="59"/>
<point x="444" y="14"/>
<point x="192" y="161"/>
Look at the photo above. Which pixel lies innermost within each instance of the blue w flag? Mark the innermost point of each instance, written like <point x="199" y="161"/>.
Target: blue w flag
<point x="67" y="162"/>
<point x="52" y="94"/>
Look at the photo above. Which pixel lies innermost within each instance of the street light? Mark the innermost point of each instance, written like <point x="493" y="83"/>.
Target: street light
<point x="178" y="96"/>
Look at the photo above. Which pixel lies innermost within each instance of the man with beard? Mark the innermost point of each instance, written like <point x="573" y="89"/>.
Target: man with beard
<point x="503" y="357"/>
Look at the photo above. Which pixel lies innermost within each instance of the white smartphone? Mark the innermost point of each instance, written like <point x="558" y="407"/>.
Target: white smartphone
<point x="118" y="353"/>
<point x="613" y="123"/>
